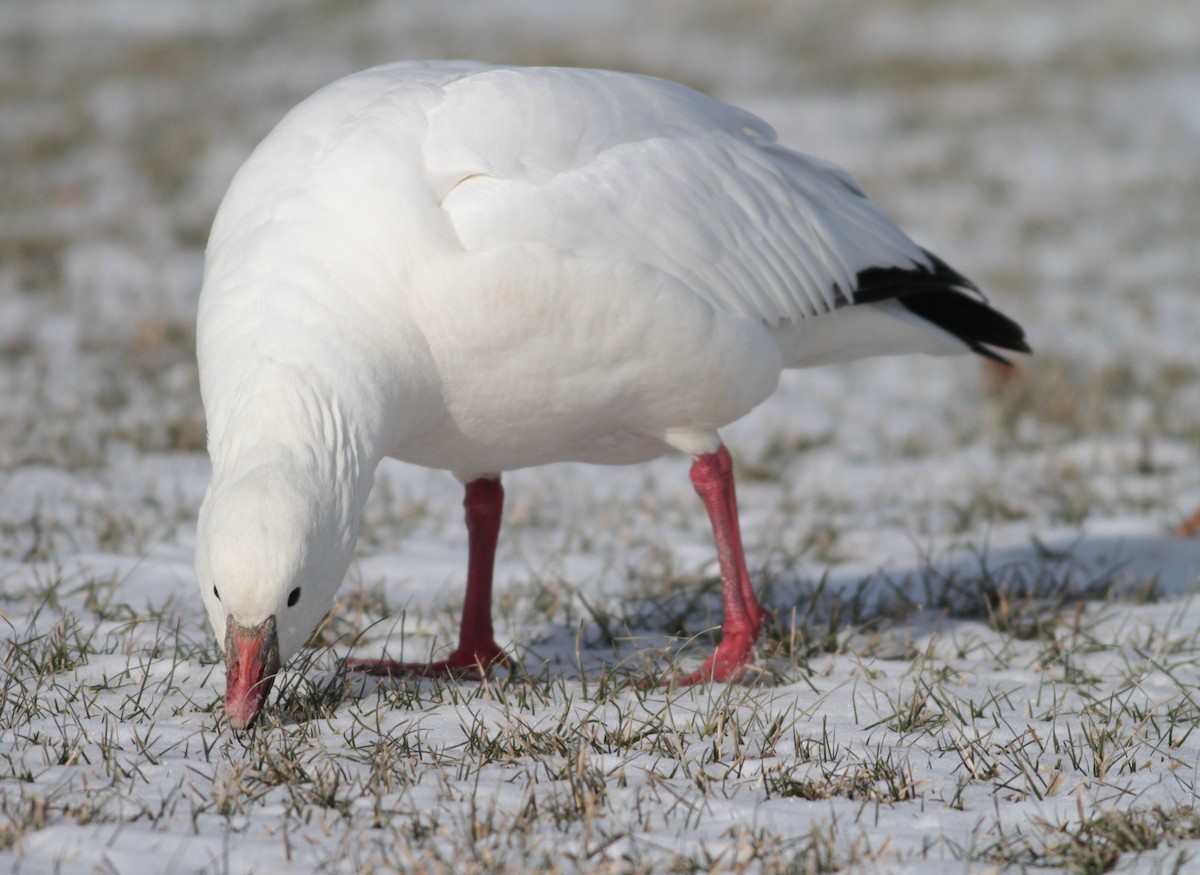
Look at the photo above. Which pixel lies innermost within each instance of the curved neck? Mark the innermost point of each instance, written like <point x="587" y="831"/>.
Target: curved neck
<point x="289" y="418"/>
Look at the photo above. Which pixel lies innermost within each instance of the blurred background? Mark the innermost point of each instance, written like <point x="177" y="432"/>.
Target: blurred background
<point x="1050" y="150"/>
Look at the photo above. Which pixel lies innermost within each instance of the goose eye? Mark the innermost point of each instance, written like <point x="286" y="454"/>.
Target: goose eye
<point x="293" y="597"/>
<point x="217" y="594"/>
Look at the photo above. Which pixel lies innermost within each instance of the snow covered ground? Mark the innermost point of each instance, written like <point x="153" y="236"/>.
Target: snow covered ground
<point x="985" y="649"/>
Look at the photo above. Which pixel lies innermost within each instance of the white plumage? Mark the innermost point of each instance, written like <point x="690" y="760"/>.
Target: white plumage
<point x="484" y="268"/>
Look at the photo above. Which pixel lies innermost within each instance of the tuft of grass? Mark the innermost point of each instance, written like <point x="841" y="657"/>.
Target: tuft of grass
<point x="1093" y="845"/>
<point x="880" y="775"/>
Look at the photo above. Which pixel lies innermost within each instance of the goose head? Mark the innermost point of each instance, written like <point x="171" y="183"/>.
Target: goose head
<point x="269" y="559"/>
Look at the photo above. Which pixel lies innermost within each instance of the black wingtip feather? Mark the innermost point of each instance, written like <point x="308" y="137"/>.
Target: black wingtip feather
<point x="944" y="297"/>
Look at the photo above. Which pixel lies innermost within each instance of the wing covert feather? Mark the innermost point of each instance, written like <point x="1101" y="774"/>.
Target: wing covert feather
<point x="664" y="177"/>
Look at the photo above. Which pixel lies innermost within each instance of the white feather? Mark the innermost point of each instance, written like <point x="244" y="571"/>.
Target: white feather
<point x="484" y="268"/>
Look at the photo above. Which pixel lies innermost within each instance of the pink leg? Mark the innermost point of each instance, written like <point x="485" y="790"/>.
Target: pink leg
<point x="477" y="651"/>
<point x="712" y="475"/>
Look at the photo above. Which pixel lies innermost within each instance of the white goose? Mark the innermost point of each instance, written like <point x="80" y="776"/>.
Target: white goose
<point x="482" y="268"/>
